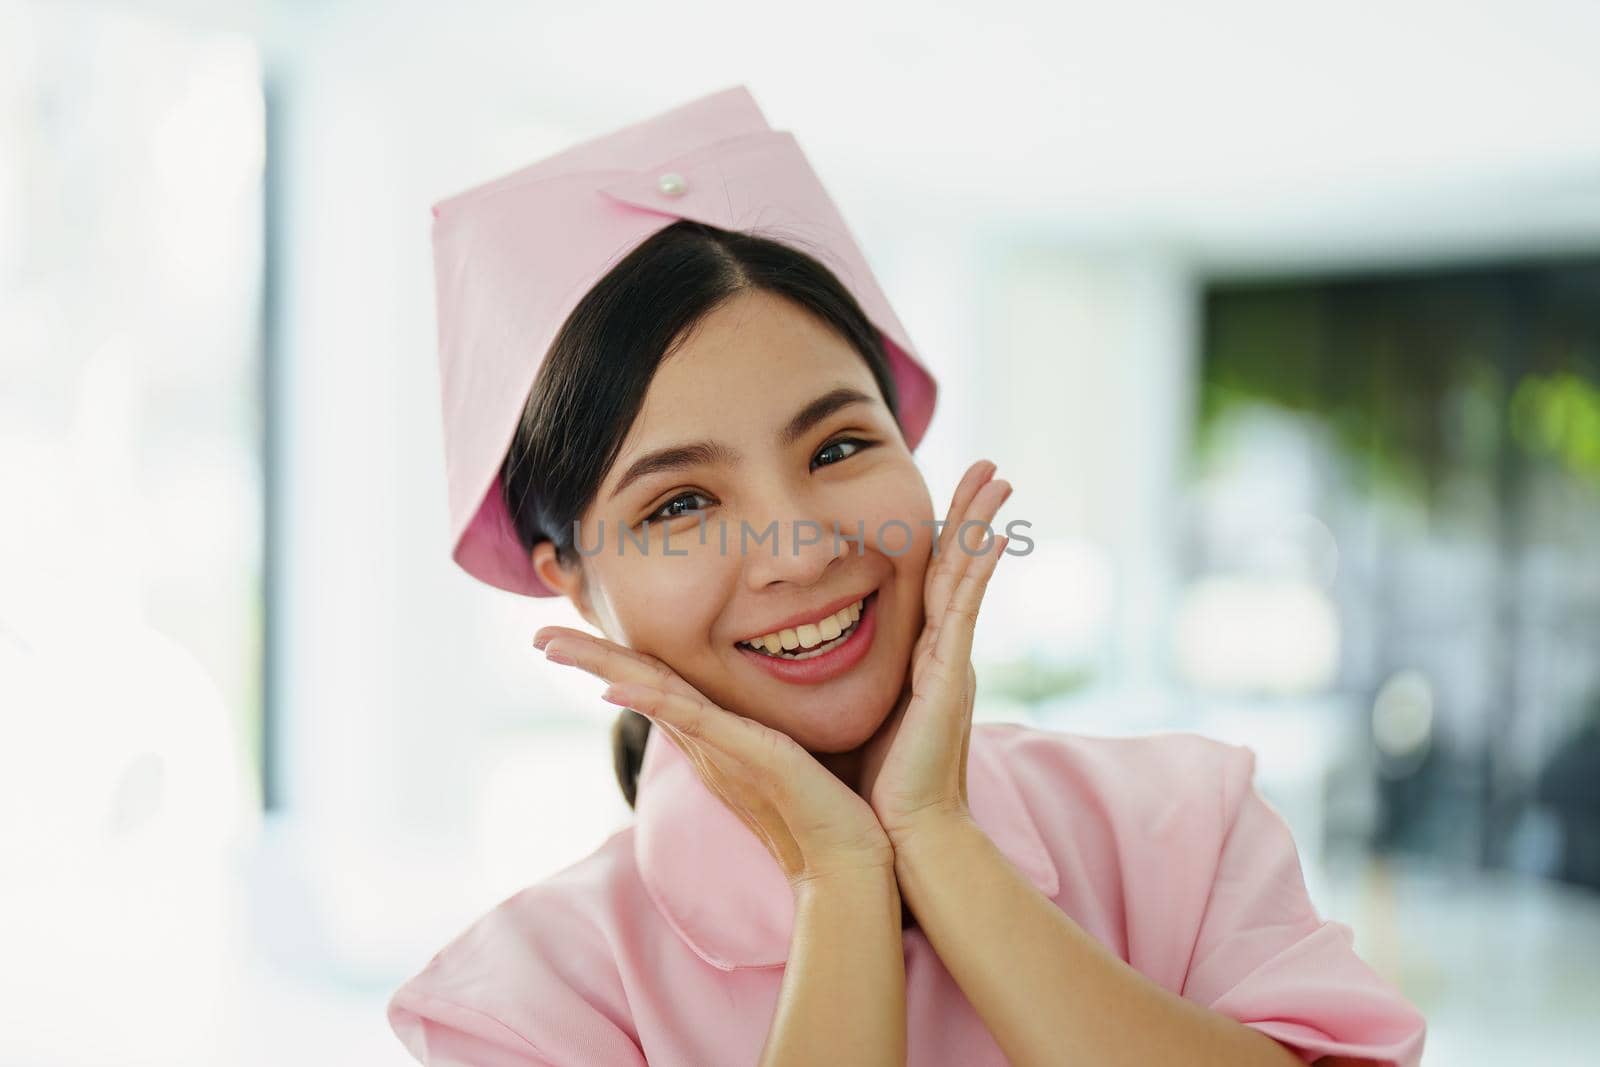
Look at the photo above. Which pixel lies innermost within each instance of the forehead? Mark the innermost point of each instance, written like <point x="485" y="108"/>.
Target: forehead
<point x="746" y="368"/>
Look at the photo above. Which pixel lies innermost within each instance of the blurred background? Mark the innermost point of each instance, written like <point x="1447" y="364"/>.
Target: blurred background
<point x="1284" y="320"/>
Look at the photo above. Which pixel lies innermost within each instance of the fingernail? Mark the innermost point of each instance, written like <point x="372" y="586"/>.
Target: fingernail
<point x="555" y="654"/>
<point x="540" y="641"/>
<point x="611" y="696"/>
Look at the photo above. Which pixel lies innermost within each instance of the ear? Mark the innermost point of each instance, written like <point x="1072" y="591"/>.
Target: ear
<point x="568" y="581"/>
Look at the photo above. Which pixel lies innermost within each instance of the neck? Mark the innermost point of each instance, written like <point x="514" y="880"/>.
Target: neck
<point x="846" y="766"/>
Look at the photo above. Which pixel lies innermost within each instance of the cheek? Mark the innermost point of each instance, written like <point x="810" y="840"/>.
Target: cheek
<point x="899" y="519"/>
<point x="663" y="606"/>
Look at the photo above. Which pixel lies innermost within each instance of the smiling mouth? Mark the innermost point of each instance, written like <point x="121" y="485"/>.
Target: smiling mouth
<point x="812" y="639"/>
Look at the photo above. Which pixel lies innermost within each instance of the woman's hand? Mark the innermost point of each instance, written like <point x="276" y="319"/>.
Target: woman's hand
<point x="915" y="766"/>
<point x="813" y="824"/>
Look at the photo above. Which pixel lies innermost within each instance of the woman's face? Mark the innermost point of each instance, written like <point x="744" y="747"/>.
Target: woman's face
<point x="773" y="427"/>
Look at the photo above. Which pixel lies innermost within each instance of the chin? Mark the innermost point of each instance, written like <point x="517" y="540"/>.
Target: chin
<point x="838" y="716"/>
<point x="841" y="724"/>
<point x="846" y="720"/>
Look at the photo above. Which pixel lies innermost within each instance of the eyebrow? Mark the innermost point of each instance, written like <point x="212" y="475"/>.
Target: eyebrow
<point x="698" y="453"/>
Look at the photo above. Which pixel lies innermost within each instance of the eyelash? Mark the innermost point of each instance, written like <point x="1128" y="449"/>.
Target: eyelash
<point x="835" y="443"/>
<point x="861" y="443"/>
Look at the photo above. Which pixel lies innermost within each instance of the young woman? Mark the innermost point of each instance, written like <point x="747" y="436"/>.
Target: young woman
<point x="829" y="863"/>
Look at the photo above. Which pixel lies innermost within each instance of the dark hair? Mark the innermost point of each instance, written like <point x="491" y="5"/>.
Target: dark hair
<point x="593" y="382"/>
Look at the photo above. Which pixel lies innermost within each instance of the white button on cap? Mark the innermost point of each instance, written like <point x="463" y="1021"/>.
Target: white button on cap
<point x="671" y="185"/>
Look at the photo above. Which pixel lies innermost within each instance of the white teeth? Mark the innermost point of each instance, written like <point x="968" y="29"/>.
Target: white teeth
<point x="809" y="638"/>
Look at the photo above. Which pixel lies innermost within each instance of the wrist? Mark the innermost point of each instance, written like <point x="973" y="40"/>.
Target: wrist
<point x="926" y="832"/>
<point x="868" y="878"/>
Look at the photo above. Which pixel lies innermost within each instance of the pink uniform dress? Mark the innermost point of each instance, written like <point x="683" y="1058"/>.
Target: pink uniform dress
<point x="667" y="944"/>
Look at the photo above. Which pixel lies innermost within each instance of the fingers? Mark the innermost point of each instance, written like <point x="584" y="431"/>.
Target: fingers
<point x="699" y="749"/>
<point x="977" y="474"/>
<point x="646" y="685"/>
<point x="953" y="644"/>
<point x="608" y="660"/>
<point x="981" y="508"/>
<point x="699" y="720"/>
<point x="545" y="633"/>
<point x="939" y="580"/>
<point x="976" y="499"/>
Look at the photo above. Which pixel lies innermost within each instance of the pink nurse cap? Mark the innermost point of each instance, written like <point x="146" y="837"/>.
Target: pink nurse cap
<point x="513" y="257"/>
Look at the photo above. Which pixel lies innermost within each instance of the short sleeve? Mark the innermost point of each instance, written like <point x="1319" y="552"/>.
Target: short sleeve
<point x="1264" y="956"/>
<point x="440" y="1033"/>
<point x="529" y="984"/>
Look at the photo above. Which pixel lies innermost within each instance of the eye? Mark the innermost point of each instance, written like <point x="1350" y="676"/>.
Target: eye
<point x="671" y="510"/>
<point x="839" y="450"/>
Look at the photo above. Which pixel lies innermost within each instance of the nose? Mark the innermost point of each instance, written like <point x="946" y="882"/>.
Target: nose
<point x="791" y="541"/>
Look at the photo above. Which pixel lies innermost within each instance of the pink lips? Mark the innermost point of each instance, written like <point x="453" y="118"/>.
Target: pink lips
<point x="831" y="663"/>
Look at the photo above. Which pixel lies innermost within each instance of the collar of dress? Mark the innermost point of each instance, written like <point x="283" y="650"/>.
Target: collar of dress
<point x="723" y="893"/>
